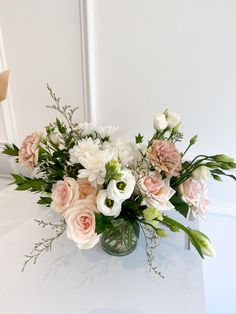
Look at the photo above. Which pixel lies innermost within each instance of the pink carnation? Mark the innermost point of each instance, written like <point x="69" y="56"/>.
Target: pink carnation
<point x="164" y="156"/>
<point x="29" y="151"/>
<point x="194" y="193"/>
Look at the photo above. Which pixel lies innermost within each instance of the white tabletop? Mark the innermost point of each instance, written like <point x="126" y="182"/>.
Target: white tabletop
<point x="70" y="281"/>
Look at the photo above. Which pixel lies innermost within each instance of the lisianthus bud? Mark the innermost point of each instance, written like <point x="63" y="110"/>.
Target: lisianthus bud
<point x="54" y="138"/>
<point x="160" y="122"/>
<point x="113" y="169"/>
<point x="217" y="178"/>
<point x="193" y="140"/>
<point x="223" y="158"/>
<point x="201" y="173"/>
<point x="152" y="213"/>
<point x="161" y="233"/>
<point x="177" y="128"/>
<point x="204" y="242"/>
<point x="173" y="119"/>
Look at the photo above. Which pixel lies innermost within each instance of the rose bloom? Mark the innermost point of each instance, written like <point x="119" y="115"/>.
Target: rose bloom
<point x="194" y="193"/>
<point x="156" y="191"/>
<point x="164" y="156"/>
<point x="29" y="151"/>
<point x="81" y="222"/>
<point x="64" y="194"/>
<point x="85" y="188"/>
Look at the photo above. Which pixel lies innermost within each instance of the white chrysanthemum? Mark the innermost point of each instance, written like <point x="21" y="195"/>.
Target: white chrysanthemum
<point x="84" y="146"/>
<point x="94" y="165"/>
<point x="106" y="131"/>
<point x="122" y="189"/>
<point x="124" y="152"/>
<point x="138" y="150"/>
<point x="86" y="128"/>
<point x="107" y="206"/>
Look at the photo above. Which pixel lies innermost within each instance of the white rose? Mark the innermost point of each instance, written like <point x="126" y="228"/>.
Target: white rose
<point x="54" y="138"/>
<point x="122" y="189"/>
<point x="201" y="173"/>
<point x="107" y="206"/>
<point x="81" y="223"/>
<point x="173" y="119"/>
<point x="160" y="122"/>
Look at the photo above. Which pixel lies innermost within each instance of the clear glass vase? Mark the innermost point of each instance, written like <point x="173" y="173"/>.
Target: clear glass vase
<point x="119" y="240"/>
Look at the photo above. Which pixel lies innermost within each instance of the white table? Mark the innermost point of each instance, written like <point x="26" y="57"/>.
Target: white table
<point x="70" y="281"/>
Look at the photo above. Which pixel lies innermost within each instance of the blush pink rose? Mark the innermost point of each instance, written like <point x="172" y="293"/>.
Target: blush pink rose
<point x="81" y="223"/>
<point x="194" y="193"/>
<point x="164" y="156"/>
<point x="64" y="194"/>
<point x="156" y="192"/>
<point x="86" y="188"/>
<point x="29" y="151"/>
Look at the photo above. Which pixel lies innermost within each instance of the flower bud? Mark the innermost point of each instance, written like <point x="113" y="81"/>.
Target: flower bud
<point x="193" y="140"/>
<point x="177" y="128"/>
<point x="204" y="242"/>
<point x="223" y="158"/>
<point x="174" y="228"/>
<point x="160" y="122"/>
<point x="152" y="213"/>
<point x="54" y="138"/>
<point x="161" y="233"/>
<point x="217" y="178"/>
<point x="201" y="173"/>
<point x="173" y="119"/>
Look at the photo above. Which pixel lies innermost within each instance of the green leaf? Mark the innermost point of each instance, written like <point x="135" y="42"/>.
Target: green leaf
<point x="44" y="200"/>
<point x="102" y="223"/>
<point x="136" y="227"/>
<point x="179" y="205"/>
<point x="171" y="222"/>
<point x="11" y="150"/>
<point x="139" y="139"/>
<point x="220" y="172"/>
<point x="60" y="126"/>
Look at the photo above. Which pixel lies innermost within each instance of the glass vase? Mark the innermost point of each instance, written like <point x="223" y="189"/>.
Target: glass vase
<point x="119" y="240"/>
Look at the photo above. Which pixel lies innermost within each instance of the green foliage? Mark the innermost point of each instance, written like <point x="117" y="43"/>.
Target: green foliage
<point x="11" y="150"/>
<point x="112" y="171"/>
<point x="102" y="222"/>
<point x="46" y="201"/>
<point x="179" y="204"/>
<point x="32" y="184"/>
<point x="220" y="172"/>
<point x="138" y="139"/>
<point x="169" y="222"/>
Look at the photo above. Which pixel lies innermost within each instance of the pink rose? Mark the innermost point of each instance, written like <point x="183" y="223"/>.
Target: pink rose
<point x="194" y="193"/>
<point x="81" y="222"/>
<point x="64" y="194"/>
<point x="156" y="191"/>
<point x="164" y="156"/>
<point x="29" y="151"/>
<point x="85" y="187"/>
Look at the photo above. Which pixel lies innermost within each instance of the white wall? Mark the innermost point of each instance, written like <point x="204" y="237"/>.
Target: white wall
<point x="155" y="54"/>
<point x="42" y="44"/>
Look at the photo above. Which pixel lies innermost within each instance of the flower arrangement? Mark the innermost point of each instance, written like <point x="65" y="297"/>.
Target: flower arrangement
<point x="107" y="188"/>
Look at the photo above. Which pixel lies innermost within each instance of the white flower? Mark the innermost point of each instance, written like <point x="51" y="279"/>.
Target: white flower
<point x="54" y="138"/>
<point x="173" y="119"/>
<point x="122" y="189"/>
<point x="124" y="152"/>
<point x="160" y="122"/>
<point x="107" y="206"/>
<point x="138" y="150"/>
<point x="94" y="165"/>
<point x="201" y="173"/>
<point x="106" y="131"/>
<point x="84" y="146"/>
<point x="86" y="128"/>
